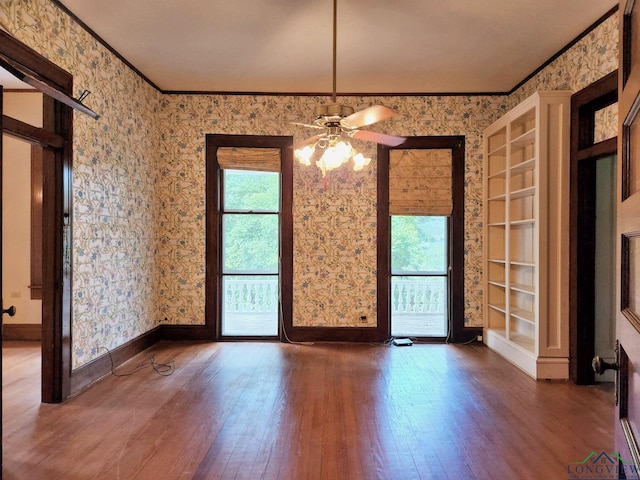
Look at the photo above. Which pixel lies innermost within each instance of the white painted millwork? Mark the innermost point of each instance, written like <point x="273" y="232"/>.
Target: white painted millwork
<point x="526" y="235"/>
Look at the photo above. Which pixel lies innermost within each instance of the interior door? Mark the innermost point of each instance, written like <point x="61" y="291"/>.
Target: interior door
<point x="628" y="241"/>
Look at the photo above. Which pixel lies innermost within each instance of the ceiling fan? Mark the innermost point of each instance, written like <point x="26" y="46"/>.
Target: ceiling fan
<point x="340" y="123"/>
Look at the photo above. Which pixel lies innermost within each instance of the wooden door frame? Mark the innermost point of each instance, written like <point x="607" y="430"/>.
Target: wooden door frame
<point x="56" y="139"/>
<point x="584" y="153"/>
<point x="457" y="331"/>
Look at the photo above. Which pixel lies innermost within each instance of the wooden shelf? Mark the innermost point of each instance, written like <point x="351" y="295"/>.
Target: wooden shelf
<point x="528" y="230"/>
<point x="499" y="308"/>
<point x="501" y="197"/>
<point x="523" y="192"/>
<point x="522" y="264"/>
<point x="524" y="140"/>
<point x="499" y="151"/>
<point x="500" y="174"/>
<point x="522" y="167"/>
<point x="523" y="341"/>
<point x="524" y="315"/>
<point x="519" y="287"/>
<point x="525" y="221"/>
<point x="496" y="260"/>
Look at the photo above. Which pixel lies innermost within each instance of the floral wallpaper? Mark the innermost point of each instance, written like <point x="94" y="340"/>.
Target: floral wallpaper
<point x="606" y="123"/>
<point x="332" y="259"/>
<point x="114" y="181"/>
<point x="139" y="231"/>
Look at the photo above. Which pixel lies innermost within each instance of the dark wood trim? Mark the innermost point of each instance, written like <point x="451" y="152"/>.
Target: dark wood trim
<point x="469" y="334"/>
<point x="22" y="331"/>
<point x="56" y="254"/>
<point x="186" y="332"/>
<point x="103" y="42"/>
<point x="383" y="227"/>
<point x="626" y="41"/>
<point x="21" y="90"/>
<point x="335" y="334"/>
<point x="31" y="134"/>
<point x="456" y="248"/>
<point x="584" y="154"/>
<point x="85" y="376"/>
<point x="601" y="149"/>
<point x="213" y="224"/>
<point x="586" y="32"/>
<point x="21" y="56"/>
<point x="329" y="95"/>
<point x="35" y="285"/>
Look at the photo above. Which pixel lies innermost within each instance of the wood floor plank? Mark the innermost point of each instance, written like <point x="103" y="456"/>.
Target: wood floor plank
<point x="285" y="411"/>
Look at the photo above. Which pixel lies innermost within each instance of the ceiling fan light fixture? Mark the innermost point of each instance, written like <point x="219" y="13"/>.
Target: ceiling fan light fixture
<point x="360" y="161"/>
<point x="340" y="123"/>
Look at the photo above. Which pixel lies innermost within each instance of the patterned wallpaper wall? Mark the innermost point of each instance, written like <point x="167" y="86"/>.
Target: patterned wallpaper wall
<point x="334" y="230"/>
<point x="139" y="186"/>
<point x="114" y="183"/>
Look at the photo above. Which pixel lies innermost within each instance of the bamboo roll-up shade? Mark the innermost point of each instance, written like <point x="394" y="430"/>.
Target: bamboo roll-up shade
<point x="256" y="159"/>
<point x="420" y="182"/>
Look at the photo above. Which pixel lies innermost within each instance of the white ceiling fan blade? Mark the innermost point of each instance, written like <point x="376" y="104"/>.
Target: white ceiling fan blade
<point x="307" y="141"/>
<point x="306" y="125"/>
<point x="382" y="138"/>
<point x="368" y="116"/>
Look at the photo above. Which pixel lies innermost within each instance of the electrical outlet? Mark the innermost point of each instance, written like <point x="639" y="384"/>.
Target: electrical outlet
<point x="479" y="338"/>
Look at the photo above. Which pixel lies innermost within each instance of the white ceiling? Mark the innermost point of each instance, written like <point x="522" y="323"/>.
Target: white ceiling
<point x="285" y="46"/>
<point x="8" y="81"/>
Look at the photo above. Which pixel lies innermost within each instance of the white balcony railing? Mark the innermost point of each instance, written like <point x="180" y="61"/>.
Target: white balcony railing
<point x="408" y="297"/>
<point x="427" y="295"/>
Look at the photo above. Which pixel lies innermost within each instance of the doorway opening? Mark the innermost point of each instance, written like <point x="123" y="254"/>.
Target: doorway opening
<point x="54" y="139"/>
<point x="592" y="228"/>
<point x="419" y="276"/>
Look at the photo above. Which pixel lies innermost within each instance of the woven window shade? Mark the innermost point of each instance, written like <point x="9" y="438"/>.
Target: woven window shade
<point x="420" y="182"/>
<point x="256" y="159"/>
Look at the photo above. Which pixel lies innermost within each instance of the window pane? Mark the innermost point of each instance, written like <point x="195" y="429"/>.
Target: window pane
<point x="419" y="306"/>
<point x="251" y="191"/>
<point x="250" y="305"/>
<point x="418" y="244"/>
<point x="250" y="243"/>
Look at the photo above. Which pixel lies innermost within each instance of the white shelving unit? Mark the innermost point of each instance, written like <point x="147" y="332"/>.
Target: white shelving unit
<point x="526" y="235"/>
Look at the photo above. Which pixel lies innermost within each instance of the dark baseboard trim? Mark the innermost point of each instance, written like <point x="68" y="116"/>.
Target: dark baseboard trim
<point x="334" y="334"/>
<point x="470" y="333"/>
<point x="85" y="376"/>
<point x="186" y="332"/>
<point x="22" y="331"/>
<point x="305" y="334"/>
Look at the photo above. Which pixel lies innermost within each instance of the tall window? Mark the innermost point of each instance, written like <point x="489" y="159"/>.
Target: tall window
<point x="421" y="239"/>
<point x="249" y="253"/>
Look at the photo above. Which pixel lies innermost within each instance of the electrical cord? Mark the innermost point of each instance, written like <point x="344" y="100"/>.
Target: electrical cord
<point x="162" y="369"/>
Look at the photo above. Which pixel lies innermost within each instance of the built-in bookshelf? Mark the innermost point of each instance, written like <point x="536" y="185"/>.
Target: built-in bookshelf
<point x="526" y="235"/>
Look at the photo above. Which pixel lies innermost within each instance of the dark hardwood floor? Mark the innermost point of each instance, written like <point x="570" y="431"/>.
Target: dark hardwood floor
<point x="323" y="411"/>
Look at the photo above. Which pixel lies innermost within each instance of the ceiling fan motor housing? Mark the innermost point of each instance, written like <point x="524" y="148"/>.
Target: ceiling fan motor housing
<point x="333" y="112"/>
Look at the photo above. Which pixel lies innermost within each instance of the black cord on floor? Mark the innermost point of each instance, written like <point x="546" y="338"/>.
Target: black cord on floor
<point x="163" y="369"/>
